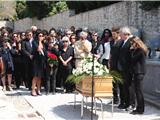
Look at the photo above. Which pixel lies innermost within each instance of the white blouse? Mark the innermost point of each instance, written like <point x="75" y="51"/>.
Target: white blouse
<point x="106" y="54"/>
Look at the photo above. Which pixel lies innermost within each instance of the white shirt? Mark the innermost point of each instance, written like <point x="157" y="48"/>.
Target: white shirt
<point x="30" y="41"/>
<point x="107" y="48"/>
<point x="126" y="40"/>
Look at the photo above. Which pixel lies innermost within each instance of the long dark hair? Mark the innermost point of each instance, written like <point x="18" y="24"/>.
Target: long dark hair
<point x="103" y="34"/>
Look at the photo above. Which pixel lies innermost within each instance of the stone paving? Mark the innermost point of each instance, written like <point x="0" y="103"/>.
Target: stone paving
<point x="15" y="107"/>
<point x="61" y="107"/>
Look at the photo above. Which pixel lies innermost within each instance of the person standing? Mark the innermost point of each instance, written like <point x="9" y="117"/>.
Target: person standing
<point x="7" y="59"/>
<point x="138" y="56"/>
<point x="39" y="64"/>
<point x="50" y="82"/>
<point x="27" y="50"/>
<point x="104" y="48"/>
<point x="127" y="100"/>
<point x="82" y="49"/>
<point x="114" y="56"/>
<point x="65" y="66"/>
<point x="17" y="60"/>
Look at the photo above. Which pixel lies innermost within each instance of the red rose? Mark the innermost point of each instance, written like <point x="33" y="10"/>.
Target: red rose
<point x="52" y="56"/>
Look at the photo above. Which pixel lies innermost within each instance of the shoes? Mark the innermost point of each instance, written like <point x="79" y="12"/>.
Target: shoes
<point x="4" y="88"/>
<point x="130" y="108"/>
<point x="33" y="93"/>
<point x="135" y="112"/>
<point x="39" y="93"/>
<point x="10" y="88"/>
<point x="115" y="101"/>
<point x="122" y="106"/>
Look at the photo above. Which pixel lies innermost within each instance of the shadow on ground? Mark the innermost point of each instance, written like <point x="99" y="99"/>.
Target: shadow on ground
<point x="69" y="112"/>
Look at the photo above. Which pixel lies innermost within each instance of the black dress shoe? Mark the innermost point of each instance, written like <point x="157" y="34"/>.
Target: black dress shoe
<point x="39" y="93"/>
<point x="131" y="107"/>
<point x="115" y="101"/>
<point x="135" y="112"/>
<point x="122" y="106"/>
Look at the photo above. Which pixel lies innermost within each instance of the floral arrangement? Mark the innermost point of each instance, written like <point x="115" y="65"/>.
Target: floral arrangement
<point x="52" y="58"/>
<point x="86" y="70"/>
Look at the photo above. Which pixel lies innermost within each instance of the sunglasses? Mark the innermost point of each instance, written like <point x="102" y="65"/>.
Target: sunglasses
<point x="29" y="34"/>
<point x="73" y="38"/>
<point x="40" y="35"/>
<point x="65" y="41"/>
<point x="14" y="36"/>
<point x="95" y="35"/>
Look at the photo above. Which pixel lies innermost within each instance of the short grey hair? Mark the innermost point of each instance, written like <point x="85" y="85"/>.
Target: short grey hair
<point x="83" y="34"/>
<point x="34" y="27"/>
<point x="125" y="30"/>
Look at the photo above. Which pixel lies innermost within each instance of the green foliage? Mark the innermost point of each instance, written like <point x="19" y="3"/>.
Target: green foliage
<point x="75" y="79"/>
<point x="117" y="77"/>
<point x="39" y="9"/>
<point x="21" y="9"/>
<point x="149" y="5"/>
<point x="82" y="6"/>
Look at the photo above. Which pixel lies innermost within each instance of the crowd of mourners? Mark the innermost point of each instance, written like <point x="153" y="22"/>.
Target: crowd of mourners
<point x="24" y="60"/>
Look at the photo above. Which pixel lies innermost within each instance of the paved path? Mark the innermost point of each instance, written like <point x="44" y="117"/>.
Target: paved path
<point x="60" y="107"/>
<point x="15" y="107"/>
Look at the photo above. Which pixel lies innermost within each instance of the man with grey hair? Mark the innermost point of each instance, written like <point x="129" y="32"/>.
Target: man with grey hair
<point x="34" y="30"/>
<point x="82" y="48"/>
<point x="127" y="99"/>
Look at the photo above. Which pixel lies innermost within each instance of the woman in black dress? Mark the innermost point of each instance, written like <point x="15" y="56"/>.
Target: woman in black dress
<point x="138" y="55"/>
<point x="39" y="64"/>
<point x="6" y="57"/>
<point x="65" y="66"/>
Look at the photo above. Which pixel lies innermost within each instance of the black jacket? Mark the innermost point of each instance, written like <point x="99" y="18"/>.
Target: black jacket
<point x="27" y="50"/>
<point x="138" y="61"/>
<point x="115" y="51"/>
<point x="125" y="56"/>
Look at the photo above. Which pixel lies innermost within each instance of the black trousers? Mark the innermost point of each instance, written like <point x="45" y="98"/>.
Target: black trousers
<point x="127" y="94"/>
<point x="18" y="72"/>
<point x="63" y="72"/>
<point x="115" y="90"/>
<point x="28" y="73"/>
<point x="138" y="79"/>
<point x="50" y="81"/>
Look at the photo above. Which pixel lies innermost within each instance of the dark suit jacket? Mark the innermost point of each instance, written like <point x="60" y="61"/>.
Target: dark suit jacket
<point x="125" y="56"/>
<point x="115" y="51"/>
<point x="27" y="50"/>
<point x="138" y="61"/>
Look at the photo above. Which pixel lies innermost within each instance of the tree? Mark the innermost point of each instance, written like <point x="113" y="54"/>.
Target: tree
<point x="82" y="6"/>
<point x="39" y="9"/>
<point x="21" y="9"/>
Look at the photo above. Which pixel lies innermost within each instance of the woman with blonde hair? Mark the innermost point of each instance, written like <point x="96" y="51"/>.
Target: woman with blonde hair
<point x="138" y="56"/>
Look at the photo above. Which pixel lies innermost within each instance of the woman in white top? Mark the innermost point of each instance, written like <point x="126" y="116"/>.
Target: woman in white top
<point x="82" y="49"/>
<point x="104" y="48"/>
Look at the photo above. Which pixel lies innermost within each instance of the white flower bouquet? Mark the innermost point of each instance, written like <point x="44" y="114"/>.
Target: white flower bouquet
<point x="87" y="69"/>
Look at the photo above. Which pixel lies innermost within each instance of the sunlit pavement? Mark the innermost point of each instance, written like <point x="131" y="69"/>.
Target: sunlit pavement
<point x="61" y="107"/>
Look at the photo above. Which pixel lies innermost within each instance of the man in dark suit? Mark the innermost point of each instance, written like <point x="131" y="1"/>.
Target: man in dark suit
<point x="114" y="56"/>
<point x="28" y="56"/>
<point x="126" y="89"/>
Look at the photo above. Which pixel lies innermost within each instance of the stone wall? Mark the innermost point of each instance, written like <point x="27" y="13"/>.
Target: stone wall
<point x="22" y="24"/>
<point x="121" y="14"/>
<point x="151" y="83"/>
<point x="6" y="24"/>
